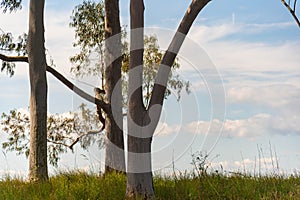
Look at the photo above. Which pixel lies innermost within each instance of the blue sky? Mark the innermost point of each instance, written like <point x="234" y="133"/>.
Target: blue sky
<point x="254" y="45"/>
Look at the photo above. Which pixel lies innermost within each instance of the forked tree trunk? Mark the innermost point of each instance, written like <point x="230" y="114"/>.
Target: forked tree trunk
<point x="38" y="93"/>
<point x="115" y="155"/>
<point x="141" y="121"/>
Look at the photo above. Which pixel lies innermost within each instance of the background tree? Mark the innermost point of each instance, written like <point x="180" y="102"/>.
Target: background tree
<point x="88" y="21"/>
<point x="92" y="26"/>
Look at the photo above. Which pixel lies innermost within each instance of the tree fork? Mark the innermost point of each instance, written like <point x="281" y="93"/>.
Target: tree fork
<point x="292" y="11"/>
<point x="192" y="12"/>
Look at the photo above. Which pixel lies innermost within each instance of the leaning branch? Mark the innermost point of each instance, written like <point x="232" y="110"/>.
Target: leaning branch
<point x="292" y="11"/>
<point x="159" y="88"/>
<point x="61" y="78"/>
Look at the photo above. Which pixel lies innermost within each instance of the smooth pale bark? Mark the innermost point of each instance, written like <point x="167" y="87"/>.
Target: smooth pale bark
<point x="38" y="169"/>
<point x="142" y="122"/>
<point x="139" y="173"/>
<point x="115" y="155"/>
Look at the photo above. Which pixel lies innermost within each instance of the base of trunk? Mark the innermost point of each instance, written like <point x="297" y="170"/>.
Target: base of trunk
<point x="140" y="186"/>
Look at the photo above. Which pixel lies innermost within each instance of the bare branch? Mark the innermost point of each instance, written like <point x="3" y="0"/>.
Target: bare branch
<point x="81" y="136"/>
<point x="292" y="11"/>
<point x="13" y="58"/>
<point x="61" y="78"/>
<point x="59" y="143"/>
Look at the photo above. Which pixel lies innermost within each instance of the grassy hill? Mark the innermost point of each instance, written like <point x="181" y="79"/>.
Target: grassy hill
<point x="79" y="185"/>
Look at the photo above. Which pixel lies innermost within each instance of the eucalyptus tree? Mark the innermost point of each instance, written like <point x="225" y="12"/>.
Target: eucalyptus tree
<point x="33" y="44"/>
<point x="142" y="120"/>
<point x="91" y="30"/>
<point x="38" y="169"/>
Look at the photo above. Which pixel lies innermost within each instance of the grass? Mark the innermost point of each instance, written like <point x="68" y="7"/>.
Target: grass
<point x="79" y="185"/>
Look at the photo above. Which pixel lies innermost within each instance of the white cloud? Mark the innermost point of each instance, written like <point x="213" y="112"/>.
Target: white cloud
<point x="252" y="127"/>
<point x="165" y="129"/>
<point x="209" y="33"/>
<point x="255" y="57"/>
<point x="265" y="165"/>
<point x="269" y="95"/>
<point x="241" y="53"/>
<point x="204" y="34"/>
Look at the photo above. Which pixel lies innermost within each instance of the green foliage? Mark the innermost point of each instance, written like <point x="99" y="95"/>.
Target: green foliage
<point x="79" y="185"/>
<point x="63" y="131"/>
<point x="16" y="123"/>
<point x="152" y="58"/>
<point x="88" y="21"/>
<point x="10" y="5"/>
<point x="10" y="45"/>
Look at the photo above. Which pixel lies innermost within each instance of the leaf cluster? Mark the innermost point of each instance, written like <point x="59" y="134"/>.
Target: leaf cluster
<point x="11" y="45"/>
<point x="10" y="5"/>
<point x="16" y="124"/>
<point x="63" y="130"/>
<point x="152" y="59"/>
<point x="88" y="21"/>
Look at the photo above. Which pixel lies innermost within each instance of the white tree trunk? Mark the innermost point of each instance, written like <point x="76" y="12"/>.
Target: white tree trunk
<point x="142" y="122"/>
<point x="38" y="169"/>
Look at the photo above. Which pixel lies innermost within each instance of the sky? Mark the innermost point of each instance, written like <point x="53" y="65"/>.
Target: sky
<point x="242" y="60"/>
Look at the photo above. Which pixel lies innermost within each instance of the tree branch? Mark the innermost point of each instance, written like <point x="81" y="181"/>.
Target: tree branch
<point x="61" y="78"/>
<point x="76" y="140"/>
<point x="13" y="58"/>
<point x="292" y="11"/>
<point x="157" y="95"/>
<point x="86" y="134"/>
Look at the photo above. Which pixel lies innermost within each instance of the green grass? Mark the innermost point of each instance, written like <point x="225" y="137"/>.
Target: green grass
<point x="78" y="185"/>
